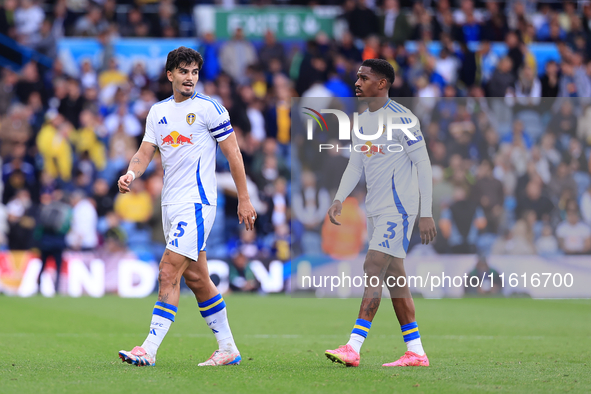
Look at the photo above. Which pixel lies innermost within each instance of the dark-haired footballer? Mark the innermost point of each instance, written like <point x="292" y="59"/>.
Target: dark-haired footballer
<point x="186" y="128"/>
<point x="396" y="179"/>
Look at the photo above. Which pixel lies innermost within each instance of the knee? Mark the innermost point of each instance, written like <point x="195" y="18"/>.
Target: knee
<point x="166" y="276"/>
<point x="372" y="267"/>
<point x="196" y="282"/>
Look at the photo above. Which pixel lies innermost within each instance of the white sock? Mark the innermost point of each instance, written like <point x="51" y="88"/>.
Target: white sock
<point x="162" y="318"/>
<point x="356" y="341"/>
<point x="415" y="346"/>
<point x="359" y="333"/>
<point x="412" y="338"/>
<point x="216" y="317"/>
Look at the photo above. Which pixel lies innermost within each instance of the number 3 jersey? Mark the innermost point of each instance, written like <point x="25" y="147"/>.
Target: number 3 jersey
<point x="187" y="134"/>
<point x="391" y="178"/>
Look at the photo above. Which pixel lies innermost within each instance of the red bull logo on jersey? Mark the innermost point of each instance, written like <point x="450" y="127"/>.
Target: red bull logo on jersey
<point x="175" y="139"/>
<point x="373" y="150"/>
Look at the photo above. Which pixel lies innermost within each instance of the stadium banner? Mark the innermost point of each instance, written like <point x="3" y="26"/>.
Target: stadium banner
<point x="286" y="22"/>
<point x="96" y="274"/>
<point x="152" y="52"/>
<point x="507" y="178"/>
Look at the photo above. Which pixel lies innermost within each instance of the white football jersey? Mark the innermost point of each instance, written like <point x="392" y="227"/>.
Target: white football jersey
<point x="391" y="178"/>
<point x="187" y="134"/>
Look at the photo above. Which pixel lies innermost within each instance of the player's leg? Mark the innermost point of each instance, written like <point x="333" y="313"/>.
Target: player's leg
<point x="375" y="268"/>
<point x="213" y="309"/>
<point x="172" y="266"/>
<point x="404" y="308"/>
<point x="57" y="257"/>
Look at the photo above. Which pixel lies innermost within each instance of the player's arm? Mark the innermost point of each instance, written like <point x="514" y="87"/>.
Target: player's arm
<point x="420" y="159"/>
<point x="137" y="166"/>
<point x="231" y="150"/>
<point x="349" y="180"/>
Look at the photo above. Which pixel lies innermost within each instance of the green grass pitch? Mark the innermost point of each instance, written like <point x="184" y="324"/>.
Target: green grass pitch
<point x="65" y="345"/>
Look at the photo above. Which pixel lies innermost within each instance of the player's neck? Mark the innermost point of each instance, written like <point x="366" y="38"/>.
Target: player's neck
<point x="179" y="98"/>
<point x="376" y="103"/>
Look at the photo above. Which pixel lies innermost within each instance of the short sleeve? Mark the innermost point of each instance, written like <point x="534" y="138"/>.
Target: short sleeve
<point x="219" y="122"/>
<point x="150" y="134"/>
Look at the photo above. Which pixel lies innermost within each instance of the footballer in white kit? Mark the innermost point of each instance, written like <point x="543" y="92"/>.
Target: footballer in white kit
<point x="187" y="129"/>
<point x="392" y="201"/>
<point x="187" y="135"/>
<point x="398" y="175"/>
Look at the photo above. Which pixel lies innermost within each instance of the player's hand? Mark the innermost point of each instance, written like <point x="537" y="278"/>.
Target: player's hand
<point x="335" y="210"/>
<point x="124" y="183"/>
<point x="246" y="214"/>
<point x="427" y="230"/>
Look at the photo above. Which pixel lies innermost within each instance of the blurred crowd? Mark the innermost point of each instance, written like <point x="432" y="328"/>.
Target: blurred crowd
<point x="523" y="173"/>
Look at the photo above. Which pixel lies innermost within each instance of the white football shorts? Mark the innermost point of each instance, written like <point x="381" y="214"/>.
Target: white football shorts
<point x="390" y="233"/>
<point x="186" y="227"/>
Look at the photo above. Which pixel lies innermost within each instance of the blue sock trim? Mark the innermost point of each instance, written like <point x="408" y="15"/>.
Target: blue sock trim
<point x="212" y="306"/>
<point x="359" y="332"/>
<point x="167" y="306"/>
<point x="363" y="323"/>
<point x="210" y="301"/>
<point x="213" y="310"/>
<point x="410" y="337"/>
<point x="414" y="331"/>
<point x="165" y="310"/>
<point x="409" y="326"/>
<point x="361" y="327"/>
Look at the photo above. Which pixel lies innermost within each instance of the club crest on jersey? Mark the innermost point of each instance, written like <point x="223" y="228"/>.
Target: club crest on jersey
<point x="191" y="118"/>
<point x="372" y="149"/>
<point x="176" y="139"/>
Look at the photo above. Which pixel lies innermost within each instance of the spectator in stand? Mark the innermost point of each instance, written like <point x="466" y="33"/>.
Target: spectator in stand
<point x="136" y="206"/>
<point x="586" y="206"/>
<point x="394" y="25"/>
<point x="28" y="18"/>
<point x="21" y="221"/>
<point x="310" y="205"/>
<point x="536" y="201"/>
<point x="55" y="149"/>
<point x="547" y="244"/>
<point x="561" y="181"/>
<point x="574" y="236"/>
<point x="572" y="82"/>
<point x="515" y="52"/>
<point x="83" y="234"/>
<point x="461" y="222"/>
<point x="362" y="20"/>
<point x="165" y="20"/>
<point x="236" y="55"/>
<point x="495" y="28"/>
<point x="103" y="199"/>
<point x="92" y="23"/>
<point x="71" y="105"/>
<point x="489" y="195"/>
<point x="549" y="80"/>
<point x="271" y="50"/>
<point x="502" y="78"/>
<point x="7" y="22"/>
<point x="50" y="233"/>
<point x="30" y="81"/>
